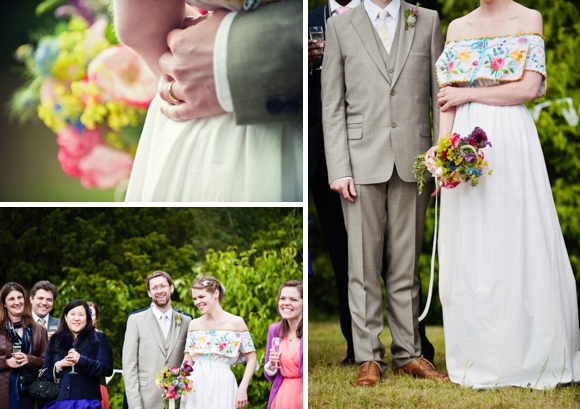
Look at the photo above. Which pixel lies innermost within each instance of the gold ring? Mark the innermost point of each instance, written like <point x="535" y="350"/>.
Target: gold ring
<point x="175" y="100"/>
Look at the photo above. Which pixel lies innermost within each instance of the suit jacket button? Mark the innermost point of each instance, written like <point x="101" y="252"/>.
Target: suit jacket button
<point x="393" y="125"/>
<point x="392" y="70"/>
<point x="274" y="106"/>
<point x="67" y="388"/>
<point x="292" y="107"/>
<point x="393" y="93"/>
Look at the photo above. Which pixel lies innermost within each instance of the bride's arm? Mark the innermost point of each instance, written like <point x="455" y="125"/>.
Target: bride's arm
<point x="143" y="25"/>
<point x="242" y="394"/>
<point x="512" y="93"/>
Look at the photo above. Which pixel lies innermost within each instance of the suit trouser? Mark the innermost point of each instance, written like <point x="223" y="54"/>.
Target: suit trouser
<point x="393" y="208"/>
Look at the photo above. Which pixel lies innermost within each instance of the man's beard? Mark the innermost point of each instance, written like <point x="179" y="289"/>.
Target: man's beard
<point x="159" y="304"/>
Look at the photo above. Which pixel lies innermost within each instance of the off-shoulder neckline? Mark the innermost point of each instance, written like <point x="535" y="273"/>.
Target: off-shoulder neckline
<point x="492" y="37"/>
<point x="220" y="329"/>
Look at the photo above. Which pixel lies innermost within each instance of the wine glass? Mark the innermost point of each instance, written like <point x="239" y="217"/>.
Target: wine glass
<point x="72" y="370"/>
<point x="276" y="341"/>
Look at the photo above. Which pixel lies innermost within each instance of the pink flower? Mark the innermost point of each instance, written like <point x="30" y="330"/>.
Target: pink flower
<point x="74" y="145"/>
<point x="497" y="63"/>
<point x="223" y="345"/>
<point x="450" y="65"/>
<point x="431" y="159"/>
<point x="455" y="140"/>
<point x="122" y="75"/>
<point x="47" y="90"/>
<point x="96" y="32"/>
<point x="104" y="168"/>
<point x="523" y="40"/>
<point x="474" y="63"/>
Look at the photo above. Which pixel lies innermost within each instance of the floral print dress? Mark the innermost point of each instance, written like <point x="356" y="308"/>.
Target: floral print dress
<point x="213" y="352"/>
<point x="506" y="284"/>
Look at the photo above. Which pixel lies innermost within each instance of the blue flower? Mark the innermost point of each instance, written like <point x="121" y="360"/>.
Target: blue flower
<point x="46" y="54"/>
<point x="181" y="385"/>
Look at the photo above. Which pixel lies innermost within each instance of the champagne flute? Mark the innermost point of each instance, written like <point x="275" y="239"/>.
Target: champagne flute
<point x="316" y="34"/>
<point x="276" y="341"/>
<point x="72" y="370"/>
<point x="52" y="330"/>
<point x="17" y="348"/>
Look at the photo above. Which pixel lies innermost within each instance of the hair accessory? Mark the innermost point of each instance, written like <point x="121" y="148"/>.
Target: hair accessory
<point x="205" y="283"/>
<point x="223" y="288"/>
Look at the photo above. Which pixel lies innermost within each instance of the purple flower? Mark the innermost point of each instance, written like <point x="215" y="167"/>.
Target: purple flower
<point x="479" y="138"/>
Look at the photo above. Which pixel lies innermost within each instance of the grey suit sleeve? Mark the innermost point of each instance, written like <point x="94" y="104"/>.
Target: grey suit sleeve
<point x="264" y="63"/>
<point x="436" y="50"/>
<point x="333" y="108"/>
<point x="131" y="364"/>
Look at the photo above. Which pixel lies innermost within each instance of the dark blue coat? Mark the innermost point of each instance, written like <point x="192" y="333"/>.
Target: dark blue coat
<point x="96" y="360"/>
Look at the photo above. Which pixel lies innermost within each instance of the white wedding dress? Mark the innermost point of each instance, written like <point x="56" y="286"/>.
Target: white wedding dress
<point x="213" y="352"/>
<point x="506" y="284"/>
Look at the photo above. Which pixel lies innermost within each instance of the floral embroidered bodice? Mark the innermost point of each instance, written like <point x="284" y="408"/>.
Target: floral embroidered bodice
<point x="228" y="346"/>
<point x="486" y="61"/>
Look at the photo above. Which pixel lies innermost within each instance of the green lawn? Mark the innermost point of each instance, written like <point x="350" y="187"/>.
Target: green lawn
<point x="330" y="386"/>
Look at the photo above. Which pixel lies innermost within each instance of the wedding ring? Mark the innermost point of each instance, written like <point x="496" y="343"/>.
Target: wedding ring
<point x="175" y="100"/>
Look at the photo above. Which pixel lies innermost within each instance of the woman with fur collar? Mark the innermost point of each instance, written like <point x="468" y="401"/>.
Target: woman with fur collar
<point x="79" y="356"/>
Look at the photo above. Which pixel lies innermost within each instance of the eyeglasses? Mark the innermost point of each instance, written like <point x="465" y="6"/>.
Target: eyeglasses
<point x="159" y="288"/>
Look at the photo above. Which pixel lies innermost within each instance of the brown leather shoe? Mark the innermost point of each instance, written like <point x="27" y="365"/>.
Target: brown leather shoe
<point x="422" y="368"/>
<point x="370" y="373"/>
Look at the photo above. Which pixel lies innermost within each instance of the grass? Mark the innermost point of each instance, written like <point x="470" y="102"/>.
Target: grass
<point x="330" y="386"/>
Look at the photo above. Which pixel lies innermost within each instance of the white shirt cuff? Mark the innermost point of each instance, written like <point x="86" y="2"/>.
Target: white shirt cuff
<point x="269" y="370"/>
<point x="344" y="178"/>
<point x="220" y="67"/>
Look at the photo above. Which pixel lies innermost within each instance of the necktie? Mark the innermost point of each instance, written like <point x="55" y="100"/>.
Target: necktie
<point x="42" y="322"/>
<point x="384" y="33"/>
<point x="163" y="323"/>
<point x="341" y="10"/>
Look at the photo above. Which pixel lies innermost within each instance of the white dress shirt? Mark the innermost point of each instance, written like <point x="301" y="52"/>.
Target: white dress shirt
<point x="334" y="5"/>
<point x="163" y="319"/>
<point x="37" y="318"/>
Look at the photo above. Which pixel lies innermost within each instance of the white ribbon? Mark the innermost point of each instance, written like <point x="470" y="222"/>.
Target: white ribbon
<point x="171" y="403"/>
<point x="430" y="294"/>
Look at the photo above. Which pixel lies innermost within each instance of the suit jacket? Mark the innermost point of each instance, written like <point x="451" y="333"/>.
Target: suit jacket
<point x="278" y="378"/>
<point x="376" y="118"/>
<point x="264" y="63"/>
<point x="52" y="322"/>
<point x="96" y="360"/>
<point x="35" y="360"/>
<point x="144" y="356"/>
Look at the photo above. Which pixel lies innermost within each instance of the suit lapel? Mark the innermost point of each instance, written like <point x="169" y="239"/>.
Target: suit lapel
<point x="365" y="30"/>
<point x="405" y="41"/>
<point x="175" y="331"/>
<point x="154" y="329"/>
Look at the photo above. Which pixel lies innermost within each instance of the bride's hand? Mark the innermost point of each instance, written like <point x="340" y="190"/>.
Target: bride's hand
<point x="452" y="96"/>
<point x="241" y="398"/>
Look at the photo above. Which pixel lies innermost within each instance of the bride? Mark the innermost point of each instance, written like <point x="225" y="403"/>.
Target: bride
<point x="506" y="283"/>
<point x="215" y="341"/>
<point x="206" y="159"/>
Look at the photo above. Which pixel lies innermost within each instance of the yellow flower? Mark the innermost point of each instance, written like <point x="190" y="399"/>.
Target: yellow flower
<point x="517" y="55"/>
<point x="465" y="55"/>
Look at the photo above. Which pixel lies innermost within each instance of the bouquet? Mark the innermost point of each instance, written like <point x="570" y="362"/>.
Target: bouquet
<point x="175" y="383"/>
<point x="454" y="160"/>
<point x="92" y="92"/>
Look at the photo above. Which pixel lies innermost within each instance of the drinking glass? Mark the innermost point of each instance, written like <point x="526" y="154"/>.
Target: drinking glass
<point x="72" y="371"/>
<point x="316" y="34"/>
<point x="17" y="348"/>
<point x="276" y="341"/>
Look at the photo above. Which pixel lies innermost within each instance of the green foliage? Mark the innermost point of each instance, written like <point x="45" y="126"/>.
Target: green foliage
<point x="560" y="143"/>
<point x="105" y="254"/>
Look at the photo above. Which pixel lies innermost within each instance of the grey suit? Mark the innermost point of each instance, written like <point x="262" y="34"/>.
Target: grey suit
<point x="52" y="322"/>
<point x="376" y="119"/>
<point x="145" y="352"/>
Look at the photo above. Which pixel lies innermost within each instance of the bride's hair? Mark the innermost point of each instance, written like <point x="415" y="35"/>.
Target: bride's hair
<point x="285" y="327"/>
<point x="210" y="284"/>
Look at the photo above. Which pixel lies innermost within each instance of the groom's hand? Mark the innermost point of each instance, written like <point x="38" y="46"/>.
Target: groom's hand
<point x="346" y="188"/>
<point x="189" y="62"/>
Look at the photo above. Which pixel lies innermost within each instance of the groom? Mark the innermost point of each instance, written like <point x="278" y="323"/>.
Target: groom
<point x="155" y="338"/>
<point x="377" y="83"/>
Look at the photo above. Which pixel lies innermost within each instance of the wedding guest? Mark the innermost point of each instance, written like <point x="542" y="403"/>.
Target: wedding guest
<point x="284" y="366"/>
<point x="94" y="310"/>
<point x="79" y="356"/>
<point x="18" y="329"/>
<point x="42" y="297"/>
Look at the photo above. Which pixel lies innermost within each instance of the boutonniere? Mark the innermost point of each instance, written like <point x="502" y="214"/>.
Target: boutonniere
<point x="411" y="16"/>
<point x="178" y="319"/>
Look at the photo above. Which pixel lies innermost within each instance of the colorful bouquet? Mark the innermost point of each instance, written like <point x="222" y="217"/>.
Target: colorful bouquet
<point x="454" y="160"/>
<point x="91" y="91"/>
<point x="175" y="383"/>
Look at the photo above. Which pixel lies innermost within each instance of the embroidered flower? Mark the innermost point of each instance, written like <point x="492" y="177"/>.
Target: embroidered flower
<point x="517" y="55"/>
<point x="497" y="63"/>
<point x="523" y="40"/>
<point x="450" y="65"/>
<point x="465" y="55"/>
<point x="223" y="345"/>
<point x="474" y="63"/>
<point x="411" y="16"/>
